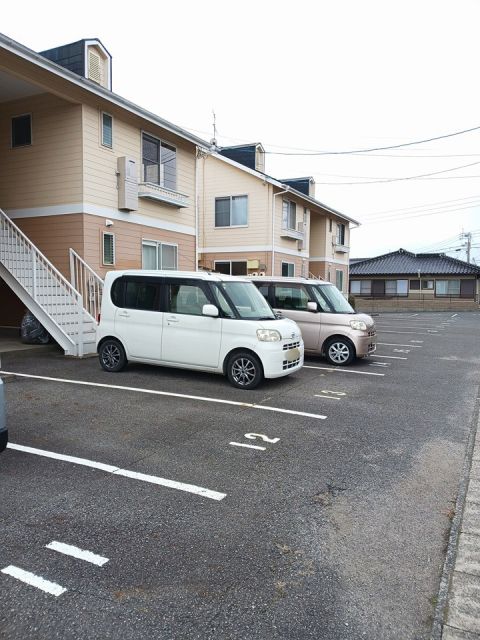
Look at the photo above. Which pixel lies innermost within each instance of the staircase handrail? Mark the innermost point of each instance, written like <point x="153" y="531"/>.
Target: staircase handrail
<point x="92" y="303"/>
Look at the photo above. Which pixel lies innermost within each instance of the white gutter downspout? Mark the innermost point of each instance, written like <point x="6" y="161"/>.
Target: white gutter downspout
<point x="280" y="193"/>
<point x="196" y="208"/>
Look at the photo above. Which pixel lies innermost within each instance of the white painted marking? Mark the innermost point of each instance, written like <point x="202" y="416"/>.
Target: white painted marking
<point x="379" y="364"/>
<point x="377" y="355"/>
<point x="401" y="351"/>
<point x="262" y="436"/>
<point x="335" y="393"/>
<point x="172" y="484"/>
<point x="434" y="328"/>
<point x="413" y="315"/>
<point x="361" y="373"/>
<point x="247" y="446"/>
<point x="76" y="552"/>
<point x="415" y="341"/>
<point x="455" y="314"/>
<point x="392" y="344"/>
<point x="249" y="405"/>
<point x="34" y="581"/>
<point x="407" y="333"/>
<point x="322" y="395"/>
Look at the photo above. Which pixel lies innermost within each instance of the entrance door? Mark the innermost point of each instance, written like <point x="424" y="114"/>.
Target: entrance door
<point x="189" y="337"/>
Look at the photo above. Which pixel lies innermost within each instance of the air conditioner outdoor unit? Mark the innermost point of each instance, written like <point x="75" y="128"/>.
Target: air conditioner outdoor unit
<point x="253" y="274"/>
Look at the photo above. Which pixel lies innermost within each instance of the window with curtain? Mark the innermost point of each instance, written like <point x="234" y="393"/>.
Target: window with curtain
<point x="231" y="211"/>
<point x="159" y="255"/>
<point x="447" y="287"/>
<point x="159" y="162"/>
<point x="289" y="215"/>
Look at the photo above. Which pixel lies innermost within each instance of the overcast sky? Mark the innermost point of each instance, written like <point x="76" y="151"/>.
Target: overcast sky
<point x="310" y="76"/>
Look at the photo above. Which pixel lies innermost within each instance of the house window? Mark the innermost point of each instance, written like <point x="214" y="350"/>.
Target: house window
<point x="107" y="130"/>
<point x="231" y="267"/>
<point x="159" y="162"/>
<point x="447" y="287"/>
<point x="288" y="269"/>
<point x="22" y="131"/>
<point x="231" y="211"/>
<point x="427" y="284"/>
<point x="361" y="287"/>
<point x="330" y="225"/>
<point x="159" y="255"/>
<point x="396" y="287"/>
<point x="339" y="279"/>
<point x="414" y="285"/>
<point x="340" y="238"/>
<point x="289" y="215"/>
<point x="355" y="287"/>
<point x="108" y="248"/>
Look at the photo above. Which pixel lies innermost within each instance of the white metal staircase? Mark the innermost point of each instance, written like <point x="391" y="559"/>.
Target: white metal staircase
<point x="44" y="291"/>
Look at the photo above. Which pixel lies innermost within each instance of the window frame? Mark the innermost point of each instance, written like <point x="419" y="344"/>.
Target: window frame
<point x="288" y="265"/>
<point x="447" y="294"/>
<point x="16" y="117"/>
<point x="290" y="203"/>
<point x="102" y="128"/>
<point x="340" y="234"/>
<point x="112" y="235"/>
<point x="215" y="262"/>
<point x="161" y="142"/>
<point x="159" y="243"/>
<point x="342" y="278"/>
<point x="230" y="226"/>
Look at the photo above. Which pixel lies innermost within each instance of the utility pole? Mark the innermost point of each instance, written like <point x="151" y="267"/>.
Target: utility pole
<point x="468" y="237"/>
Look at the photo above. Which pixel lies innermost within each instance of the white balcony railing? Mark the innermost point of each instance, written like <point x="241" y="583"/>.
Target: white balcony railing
<point x="340" y="248"/>
<point x="153" y="191"/>
<point x="88" y="283"/>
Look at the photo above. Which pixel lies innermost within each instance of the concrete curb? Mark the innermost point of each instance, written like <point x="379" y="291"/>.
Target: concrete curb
<point x="457" y="614"/>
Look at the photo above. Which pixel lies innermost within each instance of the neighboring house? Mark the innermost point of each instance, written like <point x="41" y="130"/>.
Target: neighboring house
<point x="406" y="280"/>
<point x="84" y="169"/>
<point x="251" y="223"/>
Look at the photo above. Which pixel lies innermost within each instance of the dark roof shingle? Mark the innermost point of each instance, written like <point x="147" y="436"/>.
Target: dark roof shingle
<point x="405" y="263"/>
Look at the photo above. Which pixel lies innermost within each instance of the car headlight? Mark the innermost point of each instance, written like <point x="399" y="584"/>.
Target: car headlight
<point x="360" y="325"/>
<point x="268" y="335"/>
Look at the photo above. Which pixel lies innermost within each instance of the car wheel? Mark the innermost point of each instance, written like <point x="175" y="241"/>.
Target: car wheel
<point x="339" y="351"/>
<point x="112" y="356"/>
<point x="244" y="370"/>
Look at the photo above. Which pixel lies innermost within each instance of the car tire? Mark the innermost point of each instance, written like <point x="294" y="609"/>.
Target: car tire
<point x="339" y="351"/>
<point x="244" y="370"/>
<point x="112" y="356"/>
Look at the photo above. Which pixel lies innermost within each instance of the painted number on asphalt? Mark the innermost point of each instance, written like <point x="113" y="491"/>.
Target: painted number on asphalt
<point x="331" y="395"/>
<point x="254" y="436"/>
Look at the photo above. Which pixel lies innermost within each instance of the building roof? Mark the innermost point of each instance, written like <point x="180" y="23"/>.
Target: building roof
<point x="405" y="263"/>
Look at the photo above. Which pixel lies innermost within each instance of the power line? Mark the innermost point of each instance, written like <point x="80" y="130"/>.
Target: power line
<point x="427" y="204"/>
<point x="385" y="219"/>
<point x="449" y="207"/>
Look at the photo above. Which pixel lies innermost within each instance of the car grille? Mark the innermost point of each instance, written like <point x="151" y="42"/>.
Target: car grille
<point x="291" y="345"/>
<point x="289" y="365"/>
<point x="372" y="347"/>
<point x="372" y="333"/>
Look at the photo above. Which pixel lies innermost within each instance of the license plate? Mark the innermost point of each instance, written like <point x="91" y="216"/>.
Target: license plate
<point x="292" y="354"/>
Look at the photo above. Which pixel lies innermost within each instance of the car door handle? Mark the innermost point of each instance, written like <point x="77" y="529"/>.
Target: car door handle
<point x="172" y="319"/>
<point x="124" y="314"/>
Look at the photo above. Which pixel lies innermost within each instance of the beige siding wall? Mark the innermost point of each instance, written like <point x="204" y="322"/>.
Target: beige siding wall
<point x="128" y="244"/>
<point x="219" y="179"/>
<point x="101" y="165"/>
<point x="327" y="271"/>
<point x="49" y="171"/>
<point x="207" y="260"/>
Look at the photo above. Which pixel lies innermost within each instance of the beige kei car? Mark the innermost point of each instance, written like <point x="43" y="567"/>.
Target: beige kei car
<point x="329" y="325"/>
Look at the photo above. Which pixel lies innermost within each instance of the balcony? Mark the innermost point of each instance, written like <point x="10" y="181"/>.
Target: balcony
<point x="294" y="234"/>
<point x="152" y="191"/>
<point x="340" y="248"/>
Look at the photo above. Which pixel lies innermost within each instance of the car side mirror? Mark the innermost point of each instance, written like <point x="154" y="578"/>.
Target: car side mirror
<point x="312" y="306"/>
<point x="210" y="310"/>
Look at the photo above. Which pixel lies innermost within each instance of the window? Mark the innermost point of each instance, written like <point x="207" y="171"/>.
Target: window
<point x="159" y="162"/>
<point x="427" y="284"/>
<point x="231" y="212"/>
<point x="414" y="285"/>
<point x="141" y="295"/>
<point x="361" y="287"/>
<point x="159" y="255"/>
<point x="107" y="130"/>
<point x="22" y="131"/>
<point x="340" y="237"/>
<point x="231" y="267"/>
<point x="396" y="287"/>
<point x="330" y="225"/>
<point x="288" y="269"/>
<point x="289" y="215"/>
<point x="108" y="248"/>
<point x="339" y="279"/>
<point x="447" y="287"/>
<point x="186" y="298"/>
<point x="355" y="286"/>
<point x="293" y="296"/>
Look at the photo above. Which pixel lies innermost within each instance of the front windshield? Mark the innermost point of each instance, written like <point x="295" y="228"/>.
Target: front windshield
<point x="330" y="299"/>
<point x="247" y="300"/>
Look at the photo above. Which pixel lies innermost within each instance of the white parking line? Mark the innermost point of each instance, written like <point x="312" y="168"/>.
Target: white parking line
<point x="249" y="405"/>
<point x="76" y="552"/>
<point x="392" y="344"/>
<point x="360" y="373"/>
<point x="52" y="588"/>
<point x="247" y="446"/>
<point x="377" y="355"/>
<point x="172" y="484"/>
<point x="406" y="333"/>
<point x="434" y="328"/>
<point x="455" y="314"/>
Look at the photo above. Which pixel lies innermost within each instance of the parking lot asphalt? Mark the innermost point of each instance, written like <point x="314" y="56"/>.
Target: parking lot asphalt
<point x="334" y="526"/>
